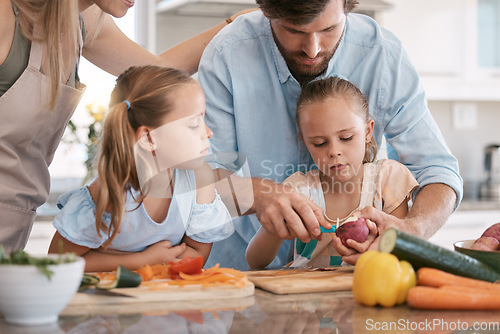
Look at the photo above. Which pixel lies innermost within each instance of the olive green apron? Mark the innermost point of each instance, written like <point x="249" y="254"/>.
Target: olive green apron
<point x="29" y="136"/>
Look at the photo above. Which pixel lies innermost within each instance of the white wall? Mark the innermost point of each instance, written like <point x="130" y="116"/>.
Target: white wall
<point x="468" y="145"/>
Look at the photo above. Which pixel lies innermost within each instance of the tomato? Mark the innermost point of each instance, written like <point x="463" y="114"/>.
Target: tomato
<point x="187" y="265"/>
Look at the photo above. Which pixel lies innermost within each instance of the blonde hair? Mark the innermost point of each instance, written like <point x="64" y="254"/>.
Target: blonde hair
<point x="150" y="93"/>
<point x="335" y="87"/>
<point x="55" y="24"/>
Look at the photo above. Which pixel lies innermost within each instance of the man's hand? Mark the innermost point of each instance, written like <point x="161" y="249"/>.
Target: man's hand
<point x="385" y="221"/>
<point x="287" y="213"/>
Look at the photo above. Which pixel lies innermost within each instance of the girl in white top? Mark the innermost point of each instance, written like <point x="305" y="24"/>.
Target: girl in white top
<point x="335" y="125"/>
<point x="154" y="200"/>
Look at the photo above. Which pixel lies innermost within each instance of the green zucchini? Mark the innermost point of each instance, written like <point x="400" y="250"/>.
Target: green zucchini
<point x="124" y="279"/>
<point x="422" y="253"/>
<point x="88" y="281"/>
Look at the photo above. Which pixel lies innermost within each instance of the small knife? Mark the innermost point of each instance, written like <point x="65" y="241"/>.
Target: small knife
<point x="101" y="292"/>
<point x="329" y="230"/>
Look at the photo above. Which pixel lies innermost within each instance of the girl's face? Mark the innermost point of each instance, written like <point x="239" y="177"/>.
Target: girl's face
<point x="336" y="135"/>
<point x="183" y="139"/>
<point x="116" y="8"/>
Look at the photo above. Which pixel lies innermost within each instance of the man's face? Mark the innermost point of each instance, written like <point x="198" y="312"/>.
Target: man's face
<point x="308" y="48"/>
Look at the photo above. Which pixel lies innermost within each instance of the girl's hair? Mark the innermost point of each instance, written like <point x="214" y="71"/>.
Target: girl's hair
<point x="150" y="92"/>
<point x="299" y="11"/>
<point x="335" y="87"/>
<point x="55" y="24"/>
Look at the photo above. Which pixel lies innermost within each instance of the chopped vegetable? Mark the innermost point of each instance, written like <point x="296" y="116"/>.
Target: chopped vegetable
<point x="146" y="272"/>
<point x="124" y="279"/>
<point x="88" y="281"/>
<point x="187" y="266"/>
<point x="213" y="276"/>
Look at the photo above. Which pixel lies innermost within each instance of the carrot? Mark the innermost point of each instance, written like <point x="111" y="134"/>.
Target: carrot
<point x="213" y="276"/>
<point x="453" y="298"/>
<point x="146" y="272"/>
<point x="160" y="271"/>
<point x="436" y="278"/>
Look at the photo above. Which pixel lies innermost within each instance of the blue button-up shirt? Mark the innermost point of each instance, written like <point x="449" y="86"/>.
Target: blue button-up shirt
<point x="251" y="100"/>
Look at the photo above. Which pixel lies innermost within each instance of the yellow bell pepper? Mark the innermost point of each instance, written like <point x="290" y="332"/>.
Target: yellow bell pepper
<point x="380" y="278"/>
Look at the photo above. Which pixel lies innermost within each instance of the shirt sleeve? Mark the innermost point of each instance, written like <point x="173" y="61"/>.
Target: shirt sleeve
<point x="412" y="134"/>
<point x="76" y="220"/>
<point x="210" y="222"/>
<point x="215" y="80"/>
<point x="395" y="184"/>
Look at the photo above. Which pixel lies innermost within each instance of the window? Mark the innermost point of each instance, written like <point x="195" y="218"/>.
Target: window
<point x="489" y="33"/>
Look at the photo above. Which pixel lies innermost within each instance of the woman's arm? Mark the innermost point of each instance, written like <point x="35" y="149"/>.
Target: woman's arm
<point x="107" y="47"/>
<point x="262" y="249"/>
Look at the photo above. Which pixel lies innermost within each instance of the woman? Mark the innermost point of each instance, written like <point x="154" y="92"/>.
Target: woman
<point x="40" y="45"/>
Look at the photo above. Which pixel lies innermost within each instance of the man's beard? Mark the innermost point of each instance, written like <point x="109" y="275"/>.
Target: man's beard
<point x="302" y="72"/>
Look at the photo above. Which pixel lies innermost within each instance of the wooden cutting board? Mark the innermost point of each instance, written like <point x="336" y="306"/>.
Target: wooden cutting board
<point x="288" y="281"/>
<point x="160" y="293"/>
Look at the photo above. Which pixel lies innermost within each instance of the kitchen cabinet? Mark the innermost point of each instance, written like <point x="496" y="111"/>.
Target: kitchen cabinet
<point x="441" y="38"/>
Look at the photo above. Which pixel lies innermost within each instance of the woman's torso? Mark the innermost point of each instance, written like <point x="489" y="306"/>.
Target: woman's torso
<point x="30" y="132"/>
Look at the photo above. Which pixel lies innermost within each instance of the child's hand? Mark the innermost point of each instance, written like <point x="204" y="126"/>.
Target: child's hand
<point x="163" y="252"/>
<point x="350" y="254"/>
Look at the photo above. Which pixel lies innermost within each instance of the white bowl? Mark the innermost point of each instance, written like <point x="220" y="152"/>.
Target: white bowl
<point x="28" y="297"/>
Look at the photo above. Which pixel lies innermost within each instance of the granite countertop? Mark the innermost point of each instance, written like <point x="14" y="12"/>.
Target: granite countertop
<point x="333" y="312"/>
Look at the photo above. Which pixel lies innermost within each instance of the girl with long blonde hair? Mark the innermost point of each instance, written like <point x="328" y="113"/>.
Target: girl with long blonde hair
<point x="125" y="218"/>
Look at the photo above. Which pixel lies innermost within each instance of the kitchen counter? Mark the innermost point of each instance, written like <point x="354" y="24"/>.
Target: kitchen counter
<point x="334" y="312"/>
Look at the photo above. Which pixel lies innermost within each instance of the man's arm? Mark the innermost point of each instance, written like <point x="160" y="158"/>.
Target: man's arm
<point x="280" y="209"/>
<point x="273" y="203"/>
<point x="431" y="208"/>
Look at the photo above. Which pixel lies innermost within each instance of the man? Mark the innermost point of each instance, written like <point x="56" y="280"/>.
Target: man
<point x="252" y="73"/>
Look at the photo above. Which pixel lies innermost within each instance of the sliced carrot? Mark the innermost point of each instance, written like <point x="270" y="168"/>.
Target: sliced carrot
<point x="146" y="273"/>
<point x="453" y="298"/>
<point x="214" y="276"/>
<point x="160" y="270"/>
<point x="436" y="278"/>
<point x="196" y="277"/>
